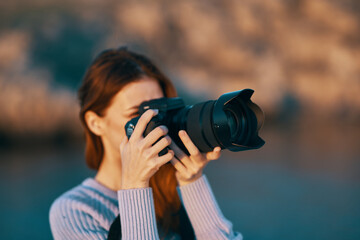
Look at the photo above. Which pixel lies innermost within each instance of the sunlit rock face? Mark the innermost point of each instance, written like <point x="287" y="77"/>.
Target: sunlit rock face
<point x="29" y="105"/>
<point x="302" y="55"/>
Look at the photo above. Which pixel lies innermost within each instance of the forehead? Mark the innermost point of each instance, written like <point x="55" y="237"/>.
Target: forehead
<point x="134" y="93"/>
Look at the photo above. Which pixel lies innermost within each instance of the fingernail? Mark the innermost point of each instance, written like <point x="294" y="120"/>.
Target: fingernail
<point x="165" y="128"/>
<point x="182" y="133"/>
<point x="156" y="111"/>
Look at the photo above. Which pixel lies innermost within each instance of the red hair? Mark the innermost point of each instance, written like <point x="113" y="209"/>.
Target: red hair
<point x="107" y="75"/>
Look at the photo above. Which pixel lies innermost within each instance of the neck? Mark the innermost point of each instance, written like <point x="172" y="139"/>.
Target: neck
<point x="109" y="173"/>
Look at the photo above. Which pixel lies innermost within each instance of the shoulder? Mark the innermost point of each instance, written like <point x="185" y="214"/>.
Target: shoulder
<point x="87" y="196"/>
<point x="73" y="198"/>
<point x="73" y="201"/>
<point x="83" y="203"/>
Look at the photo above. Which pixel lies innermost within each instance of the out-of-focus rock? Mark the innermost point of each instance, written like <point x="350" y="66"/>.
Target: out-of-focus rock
<point x="301" y="54"/>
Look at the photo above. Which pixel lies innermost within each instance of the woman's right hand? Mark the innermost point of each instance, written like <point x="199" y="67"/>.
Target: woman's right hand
<point x="139" y="155"/>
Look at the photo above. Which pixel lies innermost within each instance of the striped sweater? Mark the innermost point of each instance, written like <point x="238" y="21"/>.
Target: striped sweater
<point x="88" y="210"/>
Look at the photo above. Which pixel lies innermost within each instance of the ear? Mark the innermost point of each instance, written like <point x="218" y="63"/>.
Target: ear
<point x="94" y="123"/>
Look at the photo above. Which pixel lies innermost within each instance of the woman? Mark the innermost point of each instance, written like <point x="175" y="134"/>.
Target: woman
<point x="154" y="196"/>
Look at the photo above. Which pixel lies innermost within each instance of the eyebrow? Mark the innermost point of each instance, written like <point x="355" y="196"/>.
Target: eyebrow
<point x="133" y="107"/>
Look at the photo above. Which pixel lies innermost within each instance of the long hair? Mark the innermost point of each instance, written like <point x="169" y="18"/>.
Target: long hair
<point x="107" y="75"/>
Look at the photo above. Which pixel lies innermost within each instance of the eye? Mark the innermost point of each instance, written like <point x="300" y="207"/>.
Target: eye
<point x="134" y="114"/>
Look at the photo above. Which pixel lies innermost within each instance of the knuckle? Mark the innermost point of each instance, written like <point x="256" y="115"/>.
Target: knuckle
<point x="133" y="139"/>
<point x="150" y="164"/>
<point x="146" y="117"/>
<point x="140" y="146"/>
<point x="170" y="155"/>
<point x="189" y="175"/>
<point x="148" y="154"/>
<point x="141" y="120"/>
<point x="196" y="153"/>
<point x="154" y="164"/>
<point x="131" y="142"/>
<point x="148" y="113"/>
<point x="192" y="172"/>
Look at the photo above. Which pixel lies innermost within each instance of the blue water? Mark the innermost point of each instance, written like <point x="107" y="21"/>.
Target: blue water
<point x="282" y="191"/>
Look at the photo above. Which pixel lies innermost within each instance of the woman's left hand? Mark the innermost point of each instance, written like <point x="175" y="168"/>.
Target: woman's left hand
<point x="190" y="168"/>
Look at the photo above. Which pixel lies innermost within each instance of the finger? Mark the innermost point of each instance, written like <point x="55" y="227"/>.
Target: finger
<point x="124" y="141"/>
<point x="190" y="146"/>
<point x="178" y="152"/>
<point x="159" y="161"/>
<point x="215" y="154"/>
<point x="142" y="123"/>
<point x="178" y="165"/>
<point x="160" y="145"/>
<point x="154" y="135"/>
<point x="186" y="161"/>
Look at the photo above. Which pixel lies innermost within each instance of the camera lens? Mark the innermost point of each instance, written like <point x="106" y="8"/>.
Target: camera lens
<point x="231" y="122"/>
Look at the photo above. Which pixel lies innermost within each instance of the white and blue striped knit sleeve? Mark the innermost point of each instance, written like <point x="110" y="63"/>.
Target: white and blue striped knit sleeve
<point x="204" y="213"/>
<point x="137" y="214"/>
<point x="69" y="220"/>
<point x="72" y="217"/>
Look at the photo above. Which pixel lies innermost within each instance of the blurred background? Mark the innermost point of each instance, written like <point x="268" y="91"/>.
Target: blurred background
<point x="302" y="58"/>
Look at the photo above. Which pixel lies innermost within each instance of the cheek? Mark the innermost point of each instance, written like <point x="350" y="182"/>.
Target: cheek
<point x="116" y="131"/>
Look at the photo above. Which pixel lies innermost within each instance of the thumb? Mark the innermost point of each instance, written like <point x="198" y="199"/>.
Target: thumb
<point x="214" y="155"/>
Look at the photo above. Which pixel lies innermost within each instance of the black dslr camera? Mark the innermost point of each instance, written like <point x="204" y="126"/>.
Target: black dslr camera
<point x="231" y="122"/>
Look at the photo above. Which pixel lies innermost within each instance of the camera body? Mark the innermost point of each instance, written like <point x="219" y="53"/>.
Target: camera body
<point x="231" y="122"/>
<point x="169" y="109"/>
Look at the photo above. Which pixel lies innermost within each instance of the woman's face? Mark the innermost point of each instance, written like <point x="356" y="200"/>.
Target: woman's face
<point x="124" y="107"/>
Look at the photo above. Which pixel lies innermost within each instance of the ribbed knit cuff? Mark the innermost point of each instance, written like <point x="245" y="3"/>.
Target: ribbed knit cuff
<point x="203" y="210"/>
<point x="137" y="214"/>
